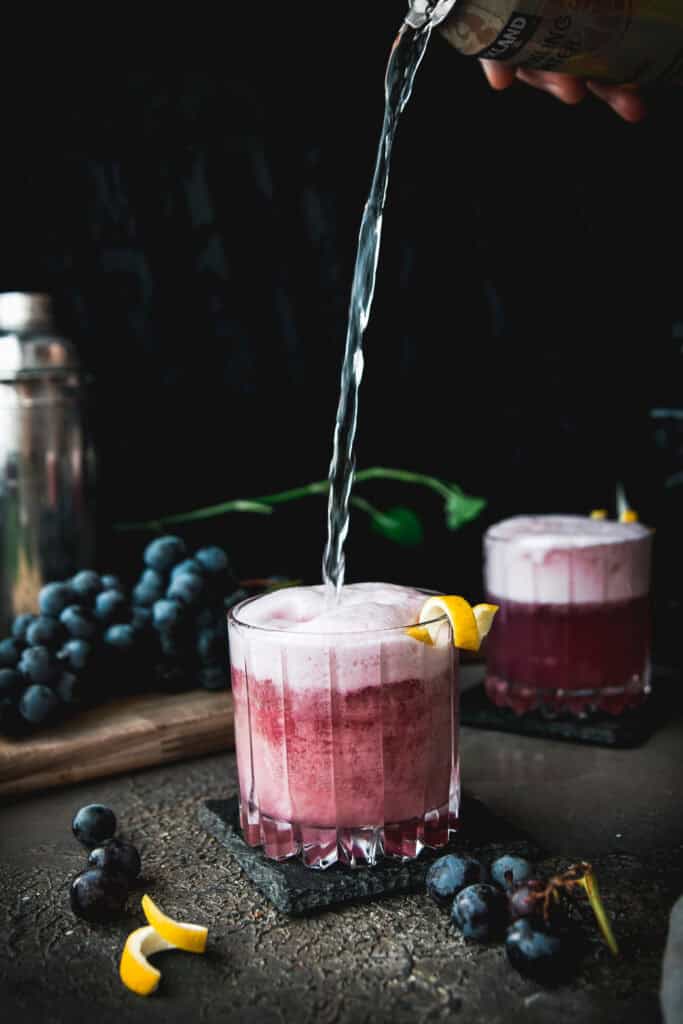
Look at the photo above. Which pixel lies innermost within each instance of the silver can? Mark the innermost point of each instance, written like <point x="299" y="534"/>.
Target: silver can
<point x="622" y="41"/>
<point x="47" y="526"/>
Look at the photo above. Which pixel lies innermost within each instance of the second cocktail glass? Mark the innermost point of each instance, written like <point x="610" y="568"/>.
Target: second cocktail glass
<point x="573" y="630"/>
<point x="346" y="727"/>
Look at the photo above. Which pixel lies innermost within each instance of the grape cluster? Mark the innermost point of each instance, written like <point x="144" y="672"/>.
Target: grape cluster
<point x="504" y="901"/>
<point x="100" y="892"/>
<point x="93" y="637"/>
<point x="182" y="600"/>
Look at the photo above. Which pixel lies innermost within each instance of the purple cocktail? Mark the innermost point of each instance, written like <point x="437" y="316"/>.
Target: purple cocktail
<point x="573" y="628"/>
<point x="346" y="726"/>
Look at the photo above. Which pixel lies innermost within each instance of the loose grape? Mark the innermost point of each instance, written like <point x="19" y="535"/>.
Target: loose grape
<point x="116" y="856"/>
<point x="480" y="912"/>
<point x="542" y="955"/>
<point x="508" y="871"/>
<point x="98" y="895"/>
<point x="94" y="824"/>
<point x="451" y="873"/>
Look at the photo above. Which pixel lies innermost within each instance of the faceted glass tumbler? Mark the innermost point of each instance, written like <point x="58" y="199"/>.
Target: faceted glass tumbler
<point x="572" y="633"/>
<point x="347" y="743"/>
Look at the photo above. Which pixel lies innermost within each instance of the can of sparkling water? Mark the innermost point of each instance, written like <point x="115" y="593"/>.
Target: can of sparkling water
<point x="637" y="42"/>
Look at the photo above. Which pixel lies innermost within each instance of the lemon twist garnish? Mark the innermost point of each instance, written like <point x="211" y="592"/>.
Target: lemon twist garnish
<point x="160" y="934"/>
<point x="190" y="937"/>
<point x="599" y="513"/>
<point x="469" y="624"/>
<point x="136" y="973"/>
<point x="628" y="516"/>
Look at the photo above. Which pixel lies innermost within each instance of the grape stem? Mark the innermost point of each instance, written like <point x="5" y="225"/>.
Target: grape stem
<point x="590" y="885"/>
<point x="581" y="876"/>
<point x="264" y="505"/>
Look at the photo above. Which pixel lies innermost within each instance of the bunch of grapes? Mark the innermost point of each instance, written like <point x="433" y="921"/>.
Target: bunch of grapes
<point x="92" y="637"/>
<point x="507" y="901"/>
<point x="182" y="600"/>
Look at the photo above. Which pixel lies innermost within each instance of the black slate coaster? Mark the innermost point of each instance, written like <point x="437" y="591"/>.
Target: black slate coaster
<point x="630" y="729"/>
<point x="295" y="889"/>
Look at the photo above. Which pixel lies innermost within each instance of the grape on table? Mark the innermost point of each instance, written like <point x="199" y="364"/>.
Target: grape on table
<point x="93" y="824"/>
<point x="116" y="856"/>
<point x="98" y="895"/>
<point x="480" y="912"/>
<point x="449" y="874"/>
<point x="538" y="953"/>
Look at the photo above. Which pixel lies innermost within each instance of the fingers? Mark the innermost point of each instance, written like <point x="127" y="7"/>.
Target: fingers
<point x="500" y="76"/>
<point x="562" y="87"/>
<point x="624" y="100"/>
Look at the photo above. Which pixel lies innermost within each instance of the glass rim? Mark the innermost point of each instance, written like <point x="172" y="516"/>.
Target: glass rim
<point x="570" y="541"/>
<point x="232" y="617"/>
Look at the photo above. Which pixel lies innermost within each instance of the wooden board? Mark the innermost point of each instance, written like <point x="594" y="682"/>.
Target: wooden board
<point x="134" y="732"/>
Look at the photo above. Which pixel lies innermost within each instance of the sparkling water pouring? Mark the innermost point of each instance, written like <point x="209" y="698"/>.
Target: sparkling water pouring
<point x="404" y="60"/>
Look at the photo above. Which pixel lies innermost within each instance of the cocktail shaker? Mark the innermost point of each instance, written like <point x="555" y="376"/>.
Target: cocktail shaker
<point x="621" y="41"/>
<point x="47" y="526"/>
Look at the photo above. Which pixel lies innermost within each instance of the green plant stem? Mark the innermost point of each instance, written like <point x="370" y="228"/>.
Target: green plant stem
<point x="263" y="505"/>
<point x="321" y="487"/>
<point x="407" y="477"/>
<point x="238" y="505"/>
<point x="373" y="512"/>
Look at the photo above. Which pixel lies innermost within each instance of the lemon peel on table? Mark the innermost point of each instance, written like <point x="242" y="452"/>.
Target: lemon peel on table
<point x="470" y="624"/>
<point x="160" y="934"/>
<point x="135" y="971"/>
<point x="190" y="937"/>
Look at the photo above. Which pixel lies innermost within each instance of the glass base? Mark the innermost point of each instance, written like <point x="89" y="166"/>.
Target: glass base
<point x="580" y="703"/>
<point x="321" y="847"/>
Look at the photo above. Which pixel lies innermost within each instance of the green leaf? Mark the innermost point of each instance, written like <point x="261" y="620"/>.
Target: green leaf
<point x="401" y="525"/>
<point x="462" y="508"/>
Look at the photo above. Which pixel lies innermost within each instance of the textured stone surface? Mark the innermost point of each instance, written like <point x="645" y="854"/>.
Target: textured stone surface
<point x="294" y="889"/>
<point x="392" y="960"/>
<point x="628" y="730"/>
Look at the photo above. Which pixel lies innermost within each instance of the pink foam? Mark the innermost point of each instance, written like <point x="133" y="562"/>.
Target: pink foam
<point x="360" y="606"/>
<point x="554" y="559"/>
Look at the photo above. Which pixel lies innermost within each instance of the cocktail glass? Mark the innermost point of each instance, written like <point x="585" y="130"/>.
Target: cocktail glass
<point x="572" y="633"/>
<point x="347" y="741"/>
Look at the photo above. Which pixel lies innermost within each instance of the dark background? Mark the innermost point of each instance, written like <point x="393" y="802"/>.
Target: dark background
<point x="198" y="228"/>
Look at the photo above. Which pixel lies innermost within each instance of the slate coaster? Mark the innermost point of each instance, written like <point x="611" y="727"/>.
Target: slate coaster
<point x="630" y="729"/>
<point x="295" y="889"/>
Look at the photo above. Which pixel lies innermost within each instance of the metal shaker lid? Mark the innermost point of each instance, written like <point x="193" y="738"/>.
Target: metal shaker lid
<point x="25" y="311"/>
<point x="423" y="11"/>
<point x="28" y="344"/>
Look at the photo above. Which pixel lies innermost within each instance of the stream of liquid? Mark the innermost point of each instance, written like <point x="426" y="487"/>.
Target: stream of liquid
<point x="404" y="60"/>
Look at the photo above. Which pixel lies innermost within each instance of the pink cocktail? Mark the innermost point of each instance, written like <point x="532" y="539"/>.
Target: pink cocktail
<point x="573" y="627"/>
<point x="346" y="726"/>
